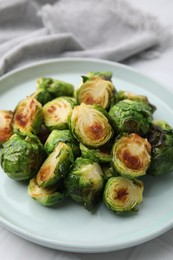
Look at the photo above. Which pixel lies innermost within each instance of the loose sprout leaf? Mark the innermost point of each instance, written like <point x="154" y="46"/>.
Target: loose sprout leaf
<point x="85" y="78"/>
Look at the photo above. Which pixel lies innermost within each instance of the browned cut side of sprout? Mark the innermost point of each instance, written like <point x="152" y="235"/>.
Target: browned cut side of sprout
<point x="5" y="125"/>
<point x="28" y="116"/>
<point x="56" y="113"/>
<point x="122" y="194"/>
<point x="90" y="125"/>
<point x="131" y="155"/>
<point x="96" y="91"/>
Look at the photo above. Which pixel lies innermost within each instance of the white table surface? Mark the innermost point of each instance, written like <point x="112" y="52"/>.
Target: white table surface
<point x="13" y="247"/>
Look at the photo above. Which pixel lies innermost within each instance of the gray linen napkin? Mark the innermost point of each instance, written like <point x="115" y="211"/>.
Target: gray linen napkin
<point x="106" y="29"/>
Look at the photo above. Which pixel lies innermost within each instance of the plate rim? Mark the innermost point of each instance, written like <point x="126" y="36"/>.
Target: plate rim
<point x="81" y="59"/>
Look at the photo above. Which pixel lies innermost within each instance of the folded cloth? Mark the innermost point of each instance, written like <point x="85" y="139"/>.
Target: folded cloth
<point x="106" y="29"/>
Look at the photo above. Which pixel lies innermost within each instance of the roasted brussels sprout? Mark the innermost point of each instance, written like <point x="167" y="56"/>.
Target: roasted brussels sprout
<point x="161" y="140"/>
<point x="55" y="87"/>
<point x="5" y="125"/>
<point x="90" y="125"/>
<point x="106" y="75"/>
<point x="96" y="91"/>
<point x="43" y="83"/>
<point x="45" y="196"/>
<point x="22" y="156"/>
<point x="64" y="136"/>
<point x="56" y="166"/>
<point x="57" y="112"/>
<point x="28" y="116"/>
<point x="100" y="155"/>
<point x="121" y="95"/>
<point x="42" y="96"/>
<point x="122" y="194"/>
<point x="131" y="155"/>
<point x="84" y="183"/>
<point x="131" y="116"/>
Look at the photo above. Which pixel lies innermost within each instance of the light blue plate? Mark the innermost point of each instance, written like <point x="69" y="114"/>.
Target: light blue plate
<point x="70" y="227"/>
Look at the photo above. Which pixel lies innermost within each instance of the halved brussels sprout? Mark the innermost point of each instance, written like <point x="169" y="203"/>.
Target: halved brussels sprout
<point x="106" y="75"/>
<point x="100" y="155"/>
<point x="57" y="112"/>
<point x="131" y="155"/>
<point x="56" y="166"/>
<point x="45" y="196"/>
<point x="64" y="136"/>
<point x="85" y="182"/>
<point x="123" y="195"/>
<point x="28" y="116"/>
<point x="121" y="95"/>
<point x="96" y="91"/>
<point x="161" y="140"/>
<point x="5" y="125"/>
<point x="90" y="125"/>
<point x="55" y="87"/>
<point x="131" y="116"/>
<point x="43" y="83"/>
<point x="42" y="96"/>
<point x="22" y="156"/>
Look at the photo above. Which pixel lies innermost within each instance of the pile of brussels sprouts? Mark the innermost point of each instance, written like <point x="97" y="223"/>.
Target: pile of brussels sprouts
<point x="90" y="144"/>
